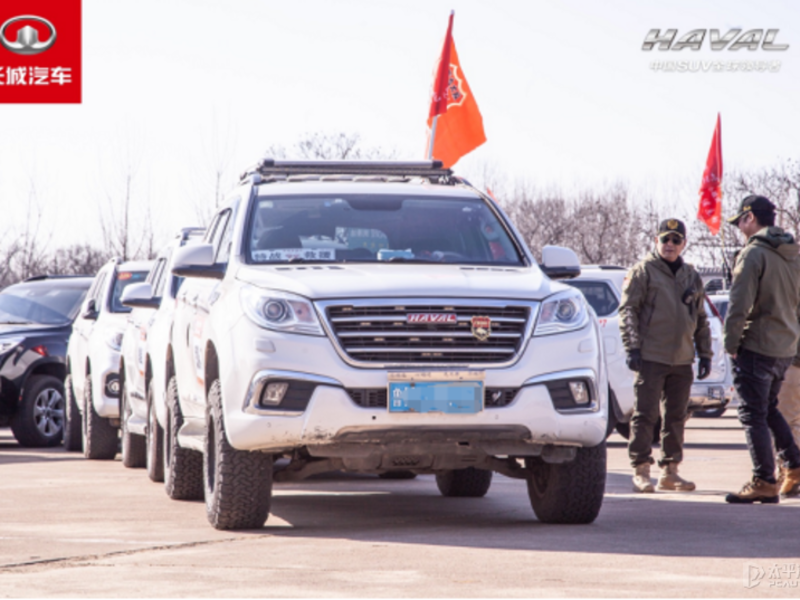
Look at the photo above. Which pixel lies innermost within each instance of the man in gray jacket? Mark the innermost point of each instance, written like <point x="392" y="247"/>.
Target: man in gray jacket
<point x="663" y="323"/>
<point x="761" y="335"/>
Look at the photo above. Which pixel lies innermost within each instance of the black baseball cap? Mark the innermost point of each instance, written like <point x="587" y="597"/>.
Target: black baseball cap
<point x="752" y="203"/>
<point x="668" y="226"/>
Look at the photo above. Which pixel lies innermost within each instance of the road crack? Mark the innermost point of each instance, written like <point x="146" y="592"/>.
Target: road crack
<point x="70" y="561"/>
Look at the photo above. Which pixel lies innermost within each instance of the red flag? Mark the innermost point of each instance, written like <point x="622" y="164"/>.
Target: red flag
<point x="454" y="121"/>
<point x="710" y="210"/>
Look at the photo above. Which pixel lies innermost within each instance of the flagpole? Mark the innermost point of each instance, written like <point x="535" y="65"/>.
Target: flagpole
<point x="433" y="136"/>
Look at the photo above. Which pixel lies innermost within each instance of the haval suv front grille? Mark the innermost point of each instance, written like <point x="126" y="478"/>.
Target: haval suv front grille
<point x="406" y="332"/>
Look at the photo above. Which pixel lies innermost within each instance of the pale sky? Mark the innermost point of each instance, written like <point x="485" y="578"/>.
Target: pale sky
<point x="567" y="96"/>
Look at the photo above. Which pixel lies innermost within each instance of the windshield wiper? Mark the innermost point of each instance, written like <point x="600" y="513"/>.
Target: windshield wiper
<point x="15" y="322"/>
<point x="407" y="260"/>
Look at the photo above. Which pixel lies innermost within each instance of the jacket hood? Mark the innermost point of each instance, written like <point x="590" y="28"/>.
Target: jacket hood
<point x="322" y="282"/>
<point x="778" y="240"/>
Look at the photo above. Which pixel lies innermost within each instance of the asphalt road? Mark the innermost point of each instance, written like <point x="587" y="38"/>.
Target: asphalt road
<point x="72" y="527"/>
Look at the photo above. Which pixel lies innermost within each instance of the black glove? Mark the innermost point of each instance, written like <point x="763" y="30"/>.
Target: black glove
<point x="634" y="360"/>
<point x="704" y="368"/>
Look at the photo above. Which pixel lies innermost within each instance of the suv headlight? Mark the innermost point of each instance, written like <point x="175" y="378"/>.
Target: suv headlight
<point x="114" y="339"/>
<point x="9" y="343"/>
<point x="280" y="311"/>
<point x="566" y="311"/>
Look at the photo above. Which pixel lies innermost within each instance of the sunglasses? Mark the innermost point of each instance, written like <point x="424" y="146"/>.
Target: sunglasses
<point x="674" y="239"/>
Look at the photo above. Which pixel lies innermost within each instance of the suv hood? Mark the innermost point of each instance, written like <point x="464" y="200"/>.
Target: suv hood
<point x="321" y="282"/>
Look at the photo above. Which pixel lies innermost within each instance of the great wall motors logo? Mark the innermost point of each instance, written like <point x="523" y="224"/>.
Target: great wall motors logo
<point x="40" y="51"/>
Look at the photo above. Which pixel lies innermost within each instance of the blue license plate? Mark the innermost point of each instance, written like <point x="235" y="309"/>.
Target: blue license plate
<point x="457" y="397"/>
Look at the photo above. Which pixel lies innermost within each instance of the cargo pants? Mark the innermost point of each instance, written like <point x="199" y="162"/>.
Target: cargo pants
<point x="659" y="389"/>
<point x="789" y="400"/>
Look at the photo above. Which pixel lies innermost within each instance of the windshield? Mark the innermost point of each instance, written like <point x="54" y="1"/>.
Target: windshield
<point x="40" y="304"/>
<point x="370" y="228"/>
<point x="124" y="279"/>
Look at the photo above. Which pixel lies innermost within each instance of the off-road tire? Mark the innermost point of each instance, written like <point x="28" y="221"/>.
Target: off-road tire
<point x="132" y="445"/>
<point x="464" y="483"/>
<point x="570" y="492"/>
<point x="100" y="437"/>
<point x="238" y="483"/>
<point x="183" y="468"/>
<point x="397" y="475"/>
<point x="711" y="413"/>
<point x="73" y="440"/>
<point x="154" y="441"/>
<point x="39" y="420"/>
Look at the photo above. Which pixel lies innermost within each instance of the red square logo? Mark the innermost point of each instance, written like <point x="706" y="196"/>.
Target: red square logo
<point x="40" y="51"/>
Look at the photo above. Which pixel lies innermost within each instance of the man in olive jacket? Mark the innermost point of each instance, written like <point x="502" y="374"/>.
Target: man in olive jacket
<point x="663" y="321"/>
<point x="761" y="335"/>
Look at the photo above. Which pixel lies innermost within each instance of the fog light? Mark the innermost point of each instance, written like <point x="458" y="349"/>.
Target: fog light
<point x="112" y="386"/>
<point x="274" y="393"/>
<point x="579" y="391"/>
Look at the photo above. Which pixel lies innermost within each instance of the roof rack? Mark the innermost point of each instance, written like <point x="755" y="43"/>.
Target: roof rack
<point x="268" y="170"/>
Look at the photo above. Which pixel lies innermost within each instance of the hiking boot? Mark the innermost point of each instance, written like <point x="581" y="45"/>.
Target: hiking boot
<point x="641" y="479"/>
<point x="671" y="481"/>
<point x="757" y="490"/>
<point x="790" y="486"/>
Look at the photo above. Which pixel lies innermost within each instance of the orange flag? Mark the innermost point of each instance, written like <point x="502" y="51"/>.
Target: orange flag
<point x="455" y="125"/>
<point x="710" y="210"/>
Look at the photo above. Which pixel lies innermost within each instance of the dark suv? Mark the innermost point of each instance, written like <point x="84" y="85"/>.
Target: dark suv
<point x="35" y="324"/>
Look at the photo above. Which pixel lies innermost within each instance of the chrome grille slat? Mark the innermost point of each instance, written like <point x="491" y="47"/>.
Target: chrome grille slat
<point x="378" y="333"/>
<point x="389" y="319"/>
<point x="439" y="350"/>
<point x="410" y="333"/>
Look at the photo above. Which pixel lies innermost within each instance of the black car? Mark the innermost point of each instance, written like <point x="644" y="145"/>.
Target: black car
<point x="35" y="324"/>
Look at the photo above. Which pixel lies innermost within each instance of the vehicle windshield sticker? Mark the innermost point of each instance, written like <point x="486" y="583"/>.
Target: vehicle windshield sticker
<point x="286" y="254"/>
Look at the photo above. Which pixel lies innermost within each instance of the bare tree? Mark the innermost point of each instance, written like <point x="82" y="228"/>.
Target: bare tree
<point x="603" y="227"/>
<point x="218" y="147"/>
<point x="25" y="253"/>
<point x="329" y="146"/>
<point x="77" y="259"/>
<point x="125" y="218"/>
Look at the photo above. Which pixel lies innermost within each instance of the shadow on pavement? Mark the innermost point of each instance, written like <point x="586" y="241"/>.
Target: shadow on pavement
<point x="663" y="524"/>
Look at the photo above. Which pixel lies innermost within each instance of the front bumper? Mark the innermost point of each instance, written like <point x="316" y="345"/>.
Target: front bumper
<point x="332" y="417"/>
<point x="106" y="384"/>
<point x="709" y="396"/>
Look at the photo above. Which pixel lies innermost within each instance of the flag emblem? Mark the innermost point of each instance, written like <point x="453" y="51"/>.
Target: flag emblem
<point x="455" y="89"/>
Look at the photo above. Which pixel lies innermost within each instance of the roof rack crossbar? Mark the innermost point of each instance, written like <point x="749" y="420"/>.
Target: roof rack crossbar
<point x="427" y="169"/>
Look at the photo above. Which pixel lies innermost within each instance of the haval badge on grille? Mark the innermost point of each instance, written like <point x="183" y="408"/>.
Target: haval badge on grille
<point x="481" y="327"/>
<point x="431" y="318"/>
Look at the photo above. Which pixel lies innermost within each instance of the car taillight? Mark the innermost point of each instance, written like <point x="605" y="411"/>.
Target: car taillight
<point x="42" y="350"/>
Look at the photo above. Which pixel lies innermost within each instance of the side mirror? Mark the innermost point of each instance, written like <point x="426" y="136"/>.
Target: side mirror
<point x="139" y="295"/>
<point x="197" y="260"/>
<point x="91" y="311"/>
<point x="560" y="263"/>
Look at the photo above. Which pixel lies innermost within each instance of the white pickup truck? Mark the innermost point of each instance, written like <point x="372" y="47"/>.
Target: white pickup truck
<point x="382" y="317"/>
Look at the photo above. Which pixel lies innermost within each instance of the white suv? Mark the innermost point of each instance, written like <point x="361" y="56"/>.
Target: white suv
<point x="602" y="286"/>
<point x="144" y="357"/>
<point x="92" y="384"/>
<point x="382" y="317"/>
